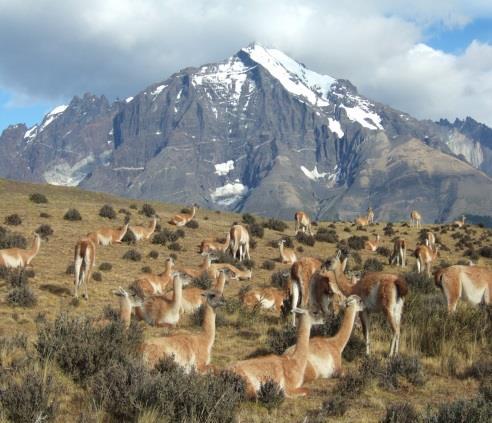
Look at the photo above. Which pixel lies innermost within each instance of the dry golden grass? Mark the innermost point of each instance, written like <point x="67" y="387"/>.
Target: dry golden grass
<point x="53" y="288"/>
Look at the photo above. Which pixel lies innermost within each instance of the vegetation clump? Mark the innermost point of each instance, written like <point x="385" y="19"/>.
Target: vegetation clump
<point x="13" y="220"/>
<point x="107" y="211"/>
<point x="132" y="255"/>
<point x="147" y="210"/>
<point x="275" y="225"/>
<point x="38" y="198"/>
<point x="72" y="215"/>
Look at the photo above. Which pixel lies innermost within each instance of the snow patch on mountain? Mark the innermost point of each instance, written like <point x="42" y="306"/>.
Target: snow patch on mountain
<point x="128" y="99"/>
<point x="51" y="116"/>
<point x="335" y="127"/>
<point x="314" y="174"/>
<point x="223" y="169"/>
<point x="158" y="90"/>
<point x="362" y="115"/>
<point x="229" y="193"/>
<point x="294" y="77"/>
<point x="68" y="175"/>
<point x="31" y="133"/>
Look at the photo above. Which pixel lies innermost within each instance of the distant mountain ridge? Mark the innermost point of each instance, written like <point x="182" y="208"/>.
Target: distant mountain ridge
<point x="259" y="132"/>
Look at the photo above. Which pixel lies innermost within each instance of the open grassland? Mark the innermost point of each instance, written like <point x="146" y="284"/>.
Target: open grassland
<point x="444" y="347"/>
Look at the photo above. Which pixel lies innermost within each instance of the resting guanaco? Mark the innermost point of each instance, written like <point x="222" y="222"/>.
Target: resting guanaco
<point x="188" y="350"/>
<point x="365" y="220"/>
<point x="108" y="236"/>
<point x="325" y="354"/>
<point x="267" y="298"/>
<point x="286" y="370"/>
<point x="128" y="301"/>
<point x="183" y="218"/>
<point x="460" y="223"/>
<point x="212" y="269"/>
<point x="239" y="242"/>
<point x="19" y="257"/>
<point x="380" y="292"/>
<point x="372" y="245"/>
<point x="150" y="284"/>
<point x="84" y="259"/>
<point x="302" y="223"/>
<point x="472" y="284"/>
<point x="142" y="232"/>
<point x="287" y="255"/>
<point x="415" y="219"/>
<point x="209" y="246"/>
<point x="399" y="255"/>
<point x="425" y="256"/>
<point x="301" y="273"/>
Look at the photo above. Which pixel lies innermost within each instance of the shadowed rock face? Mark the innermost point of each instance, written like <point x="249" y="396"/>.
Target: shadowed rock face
<point x="259" y="133"/>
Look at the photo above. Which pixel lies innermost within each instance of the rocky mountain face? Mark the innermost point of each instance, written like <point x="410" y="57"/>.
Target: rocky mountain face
<point x="259" y="132"/>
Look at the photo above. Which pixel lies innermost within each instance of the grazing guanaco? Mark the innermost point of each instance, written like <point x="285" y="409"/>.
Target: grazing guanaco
<point x="84" y="259"/>
<point x="300" y="274"/>
<point x="285" y="370"/>
<point x="108" y="236"/>
<point x="150" y="284"/>
<point x="372" y="245"/>
<point x="158" y="310"/>
<point x="19" y="257"/>
<point x="183" y="218"/>
<point x="239" y="242"/>
<point x="209" y="246"/>
<point x="472" y="284"/>
<point x="460" y="223"/>
<point x="188" y="350"/>
<point x="142" y="232"/>
<point x="415" y="219"/>
<point x="425" y="256"/>
<point x="430" y="240"/>
<point x="287" y="255"/>
<point x="399" y="255"/>
<point x="302" y="223"/>
<point x="325" y="354"/>
<point x="267" y="298"/>
<point x="379" y="291"/>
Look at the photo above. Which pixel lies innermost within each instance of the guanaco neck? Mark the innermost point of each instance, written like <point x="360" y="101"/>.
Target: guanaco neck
<point x="343" y="283"/>
<point x="221" y="282"/>
<point x="36" y="244"/>
<point x="125" y="311"/>
<point x="281" y="247"/>
<point x="343" y="335"/>
<point x="122" y="232"/>
<point x="302" y="345"/>
<point x="152" y="226"/>
<point x="178" y="293"/>
<point x="208" y="326"/>
<point x="168" y="268"/>
<point x="227" y="242"/>
<point x="193" y="211"/>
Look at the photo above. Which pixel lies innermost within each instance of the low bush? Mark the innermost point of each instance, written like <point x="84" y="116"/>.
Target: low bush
<point x="326" y="235"/>
<point x="280" y="279"/>
<point x="248" y="263"/>
<point x="10" y="239"/>
<point x="70" y="269"/>
<point x="44" y="231"/>
<point x="147" y="210"/>
<point x="72" y="215"/>
<point x="105" y="267"/>
<point x="38" y="198"/>
<point x="129" y="238"/>
<point x="44" y="215"/>
<point x="248" y="219"/>
<point x="486" y="251"/>
<point x="275" y="225"/>
<point x="180" y="233"/>
<point x="388" y="230"/>
<point x="357" y="242"/>
<point x="13" y="220"/>
<point x="107" y="211"/>
<point x="22" y="296"/>
<point x="132" y="255"/>
<point x="192" y="224"/>
<point x="401" y="413"/>
<point x="97" y="276"/>
<point x="203" y="281"/>
<point x="373" y="265"/>
<point x="420" y="282"/>
<point x="175" y="246"/>
<point x="479" y="369"/>
<point x="256" y="230"/>
<point x="154" y="254"/>
<point x="268" y="265"/>
<point x="305" y="239"/>
<point x="384" y="251"/>
<point x="477" y="410"/>
<point x="270" y="394"/>
<point x="133" y="206"/>
<point x="408" y="367"/>
<point x="164" y="236"/>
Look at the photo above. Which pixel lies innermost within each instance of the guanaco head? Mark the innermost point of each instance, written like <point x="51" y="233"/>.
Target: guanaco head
<point x="214" y="298"/>
<point x="354" y="301"/>
<point x="131" y="297"/>
<point x="281" y="242"/>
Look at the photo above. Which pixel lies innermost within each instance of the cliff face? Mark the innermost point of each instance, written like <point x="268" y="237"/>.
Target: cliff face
<point x="258" y="132"/>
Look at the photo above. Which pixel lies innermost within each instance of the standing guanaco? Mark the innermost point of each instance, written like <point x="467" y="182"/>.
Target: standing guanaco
<point x="302" y="223"/>
<point x="415" y="219"/>
<point x="425" y="256"/>
<point x="399" y="255"/>
<point x="301" y="273"/>
<point x="108" y="236"/>
<point x="84" y="259"/>
<point x="239" y="242"/>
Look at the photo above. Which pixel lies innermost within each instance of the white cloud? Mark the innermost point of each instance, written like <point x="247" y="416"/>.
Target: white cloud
<point x="52" y="50"/>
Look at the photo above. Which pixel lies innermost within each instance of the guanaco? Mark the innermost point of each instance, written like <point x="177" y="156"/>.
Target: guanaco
<point x="239" y="242"/>
<point x="188" y="350"/>
<point x="460" y="223"/>
<point x="425" y="256"/>
<point x="365" y="220"/>
<point x="302" y="223"/>
<point x="183" y="218"/>
<point x="142" y="232"/>
<point x="415" y="219"/>
<point x="430" y="240"/>
<point x="325" y="354"/>
<point x="84" y="259"/>
<point x="150" y="284"/>
<point x="209" y="246"/>
<point x="128" y="301"/>
<point x="287" y="255"/>
<point x="286" y="370"/>
<point x="372" y="245"/>
<point x="19" y="257"/>
<point x="399" y="255"/>
<point x="108" y="236"/>
<point x="472" y="284"/>
<point x="267" y="298"/>
<point x="300" y="274"/>
<point x="379" y="291"/>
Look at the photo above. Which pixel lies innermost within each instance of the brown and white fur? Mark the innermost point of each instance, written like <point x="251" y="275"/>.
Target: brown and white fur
<point x="213" y="269"/>
<point x="460" y="223"/>
<point x="425" y="256"/>
<point x="108" y="236"/>
<point x="415" y="219"/>
<point x="472" y="284"/>
<point x="286" y="370"/>
<point x="370" y="215"/>
<point x="84" y="259"/>
<point x="188" y="350"/>
<point x="430" y="240"/>
<point x="365" y="220"/>
<point x="239" y="242"/>
<point x="267" y="298"/>
<point x="142" y="232"/>
<point x="158" y="310"/>
<point x="183" y="218"/>
<point x="301" y="273"/>
<point x="209" y="246"/>
<point x="325" y="354"/>
<point x="19" y="257"/>
<point x="372" y="245"/>
<point x="399" y="255"/>
<point x="302" y="223"/>
<point x="287" y="255"/>
<point x="150" y="284"/>
<point x="379" y="291"/>
<point x="128" y="301"/>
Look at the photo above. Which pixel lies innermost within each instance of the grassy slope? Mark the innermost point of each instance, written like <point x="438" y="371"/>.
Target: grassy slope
<point x="53" y="288"/>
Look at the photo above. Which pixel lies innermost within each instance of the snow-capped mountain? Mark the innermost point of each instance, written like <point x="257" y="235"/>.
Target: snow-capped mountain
<point x="257" y="132"/>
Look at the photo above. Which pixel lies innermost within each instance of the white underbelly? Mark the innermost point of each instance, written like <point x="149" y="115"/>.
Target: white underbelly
<point x="103" y="240"/>
<point x="470" y="292"/>
<point x="324" y="365"/>
<point x="265" y="302"/>
<point x="12" y="261"/>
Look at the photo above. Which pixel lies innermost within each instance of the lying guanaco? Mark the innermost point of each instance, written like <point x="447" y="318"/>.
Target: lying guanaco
<point x="460" y="223"/>
<point x="183" y="218"/>
<point x="108" y="236"/>
<point x="372" y="245"/>
<point x="142" y="232"/>
<point x="267" y="298"/>
<point x="150" y="284"/>
<point x="19" y="257"/>
<point x="287" y="255"/>
<point x="210" y="246"/>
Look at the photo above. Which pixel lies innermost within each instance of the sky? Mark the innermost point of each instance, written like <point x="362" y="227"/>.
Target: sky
<point x="430" y="59"/>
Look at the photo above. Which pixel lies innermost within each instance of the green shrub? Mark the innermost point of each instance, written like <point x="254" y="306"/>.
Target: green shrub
<point x="203" y="281"/>
<point x="326" y="235"/>
<point x="129" y="238"/>
<point x="97" y="276"/>
<point x="280" y="279"/>
<point x="275" y="225"/>
<point x="357" y="242"/>
<point x="72" y="215"/>
<point x="164" y="236"/>
<point x="70" y="269"/>
<point x="477" y="410"/>
<point x="10" y="239"/>
<point x="147" y="210"/>
<point x="22" y="296"/>
<point x="420" y="282"/>
<point x="44" y="215"/>
<point x="13" y="220"/>
<point x="401" y="413"/>
<point x="175" y="246"/>
<point x="268" y="265"/>
<point x="154" y="254"/>
<point x="107" y="211"/>
<point x="38" y="198"/>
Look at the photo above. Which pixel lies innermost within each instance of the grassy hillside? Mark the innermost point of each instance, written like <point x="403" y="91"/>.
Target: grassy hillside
<point x="444" y="347"/>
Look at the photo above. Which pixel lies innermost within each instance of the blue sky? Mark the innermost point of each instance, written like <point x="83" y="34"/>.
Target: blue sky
<point x="431" y="60"/>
